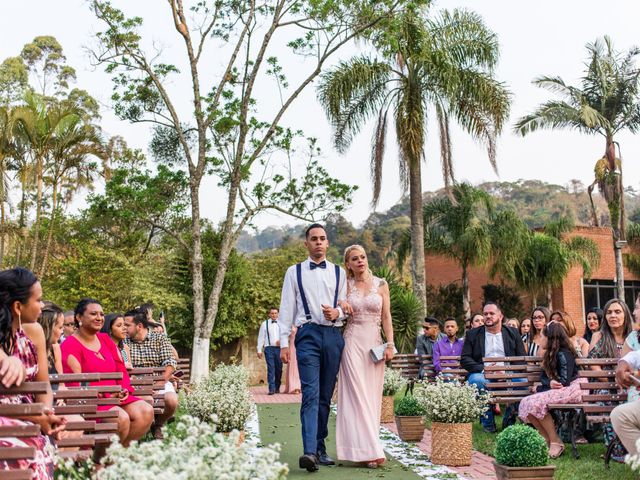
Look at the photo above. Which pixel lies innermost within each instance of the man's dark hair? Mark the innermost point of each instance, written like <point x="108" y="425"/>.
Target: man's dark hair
<point x="433" y="321"/>
<point x="311" y="227"/>
<point x="139" y="316"/>
<point x="491" y="302"/>
<point x="274" y="308"/>
<point x="450" y="319"/>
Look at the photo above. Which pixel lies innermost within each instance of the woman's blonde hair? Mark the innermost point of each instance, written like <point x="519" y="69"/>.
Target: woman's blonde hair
<point x="347" y="252"/>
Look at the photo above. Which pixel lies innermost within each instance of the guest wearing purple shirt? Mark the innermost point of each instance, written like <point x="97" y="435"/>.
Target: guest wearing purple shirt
<point x="449" y="345"/>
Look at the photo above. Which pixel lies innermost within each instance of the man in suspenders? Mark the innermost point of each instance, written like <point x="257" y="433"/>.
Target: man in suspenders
<point x="269" y="342"/>
<point x="310" y="296"/>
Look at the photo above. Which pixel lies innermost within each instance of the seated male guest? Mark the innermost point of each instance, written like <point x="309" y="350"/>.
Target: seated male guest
<point x="152" y="349"/>
<point x="493" y="339"/>
<point x="625" y="418"/>
<point x="450" y="346"/>
<point x="426" y="341"/>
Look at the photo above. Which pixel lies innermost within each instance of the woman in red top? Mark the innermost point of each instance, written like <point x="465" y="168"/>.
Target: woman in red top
<point x="89" y="351"/>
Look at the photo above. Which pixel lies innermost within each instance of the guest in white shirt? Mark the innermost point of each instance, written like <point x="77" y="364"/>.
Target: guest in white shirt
<point x="310" y="295"/>
<point x="493" y="339"/>
<point x="625" y="418"/>
<point x="269" y="343"/>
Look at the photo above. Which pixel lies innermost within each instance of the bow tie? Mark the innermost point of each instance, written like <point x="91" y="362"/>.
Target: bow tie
<point x="274" y="321"/>
<point x="322" y="264"/>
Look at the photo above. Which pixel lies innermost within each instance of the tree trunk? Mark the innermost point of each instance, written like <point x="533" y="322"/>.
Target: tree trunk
<point x="417" y="234"/>
<point x="594" y="214"/>
<point x="22" y="220"/>
<point x="200" y="355"/>
<point x="617" y="249"/>
<point x="466" y="293"/>
<point x="52" y="219"/>
<point x="36" y="226"/>
<point x="549" y="298"/>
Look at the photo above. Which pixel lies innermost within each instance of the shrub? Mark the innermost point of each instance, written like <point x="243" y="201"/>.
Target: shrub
<point x="223" y="396"/>
<point x="521" y="446"/>
<point x="193" y="452"/>
<point x="393" y="382"/>
<point x="409" y="407"/>
<point x="451" y="401"/>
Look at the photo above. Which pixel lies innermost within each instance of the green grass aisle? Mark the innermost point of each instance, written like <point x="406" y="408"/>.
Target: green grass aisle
<point x="280" y="423"/>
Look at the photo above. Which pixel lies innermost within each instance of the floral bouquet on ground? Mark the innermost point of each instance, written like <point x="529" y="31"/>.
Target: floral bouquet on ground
<point x="222" y="396"/>
<point x="393" y="382"/>
<point x="448" y="401"/>
<point x="192" y="451"/>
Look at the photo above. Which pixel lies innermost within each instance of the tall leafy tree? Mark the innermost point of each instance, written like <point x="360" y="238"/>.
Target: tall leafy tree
<point x="427" y="64"/>
<point x="216" y="128"/>
<point x="606" y="102"/>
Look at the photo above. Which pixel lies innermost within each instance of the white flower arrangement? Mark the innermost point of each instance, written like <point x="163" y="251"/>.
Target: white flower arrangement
<point x="451" y="401"/>
<point x="393" y="382"/>
<point x="222" y="397"/>
<point x="194" y="452"/>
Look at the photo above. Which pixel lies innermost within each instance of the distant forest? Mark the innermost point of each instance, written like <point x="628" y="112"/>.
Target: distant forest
<point x="537" y="201"/>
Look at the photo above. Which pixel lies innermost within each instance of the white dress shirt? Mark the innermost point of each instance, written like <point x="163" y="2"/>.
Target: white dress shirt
<point x="633" y="359"/>
<point x="271" y="340"/>
<point x="493" y="345"/>
<point x="319" y="287"/>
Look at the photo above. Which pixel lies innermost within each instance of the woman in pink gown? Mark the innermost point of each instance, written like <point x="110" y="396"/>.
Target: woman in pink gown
<point x="360" y="379"/>
<point x="292" y="378"/>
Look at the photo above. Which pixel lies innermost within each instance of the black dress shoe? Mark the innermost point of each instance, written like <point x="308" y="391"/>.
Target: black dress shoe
<point x="309" y="462"/>
<point x="272" y="393"/>
<point x="324" y="459"/>
<point x="489" y="429"/>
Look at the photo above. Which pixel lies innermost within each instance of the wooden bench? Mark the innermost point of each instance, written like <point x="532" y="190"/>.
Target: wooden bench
<point x="509" y="378"/>
<point x="20" y="431"/>
<point x="450" y="368"/>
<point x="184" y="364"/>
<point x="408" y="364"/>
<point x="148" y="382"/>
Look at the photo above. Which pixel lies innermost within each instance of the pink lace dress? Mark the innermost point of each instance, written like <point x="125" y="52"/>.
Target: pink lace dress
<point x="42" y="464"/>
<point x="292" y="378"/>
<point x="360" y="380"/>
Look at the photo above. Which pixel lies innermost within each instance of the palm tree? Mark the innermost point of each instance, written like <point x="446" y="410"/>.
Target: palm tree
<point x="441" y="64"/>
<point x="74" y="143"/>
<point x="606" y="102"/>
<point x="461" y="230"/>
<point x="37" y="122"/>
<point x="7" y="151"/>
<point x="548" y="256"/>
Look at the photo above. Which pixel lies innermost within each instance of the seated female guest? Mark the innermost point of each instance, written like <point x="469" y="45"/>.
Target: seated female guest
<point x="21" y="338"/>
<point x="52" y="320"/>
<point x="89" y="351"/>
<point x="559" y="384"/>
<point x="114" y="327"/>
<point x="593" y="323"/>
<point x="580" y="345"/>
<point x="539" y="318"/>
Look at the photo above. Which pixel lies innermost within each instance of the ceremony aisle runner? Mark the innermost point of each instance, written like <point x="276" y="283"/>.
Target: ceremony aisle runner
<point x="280" y="423"/>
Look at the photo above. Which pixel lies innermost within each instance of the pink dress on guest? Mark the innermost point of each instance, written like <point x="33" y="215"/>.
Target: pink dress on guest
<point x="360" y="380"/>
<point x="42" y="464"/>
<point x="292" y="378"/>
<point x="106" y="360"/>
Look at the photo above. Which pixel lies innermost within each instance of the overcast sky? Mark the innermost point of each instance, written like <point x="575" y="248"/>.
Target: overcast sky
<point x="541" y="37"/>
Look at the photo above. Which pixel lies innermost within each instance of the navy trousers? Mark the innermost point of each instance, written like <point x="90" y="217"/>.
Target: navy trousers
<point x="318" y="350"/>
<point x="274" y="368"/>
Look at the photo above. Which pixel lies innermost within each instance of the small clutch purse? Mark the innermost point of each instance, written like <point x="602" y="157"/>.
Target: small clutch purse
<point x="377" y="353"/>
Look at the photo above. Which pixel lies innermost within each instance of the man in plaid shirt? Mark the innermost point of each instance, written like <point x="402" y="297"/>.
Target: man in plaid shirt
<point x="152" y="349"/>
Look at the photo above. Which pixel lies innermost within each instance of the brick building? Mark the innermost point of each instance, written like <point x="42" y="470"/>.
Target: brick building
<point x="575" y="296"/>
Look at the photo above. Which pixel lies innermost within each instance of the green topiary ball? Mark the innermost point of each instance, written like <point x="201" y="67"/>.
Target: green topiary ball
<point x="521" y="446"/>
<point x="408" y="406"/>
